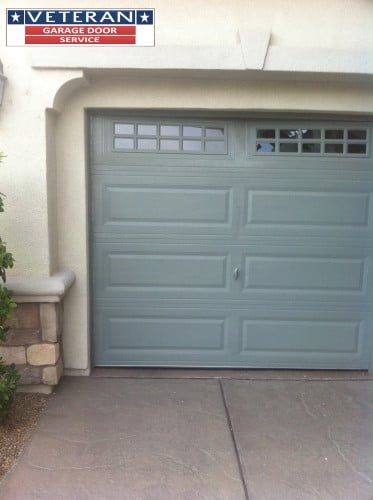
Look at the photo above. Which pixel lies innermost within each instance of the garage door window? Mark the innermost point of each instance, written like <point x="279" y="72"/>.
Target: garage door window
<point x="317" y="141"/>
<point x="170" y="138"/>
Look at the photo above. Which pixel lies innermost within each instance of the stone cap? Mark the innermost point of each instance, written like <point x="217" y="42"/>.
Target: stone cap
<point x="41" y="289"/>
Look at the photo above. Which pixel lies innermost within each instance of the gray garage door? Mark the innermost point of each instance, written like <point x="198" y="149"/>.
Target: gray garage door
<point x="231" y="243"/>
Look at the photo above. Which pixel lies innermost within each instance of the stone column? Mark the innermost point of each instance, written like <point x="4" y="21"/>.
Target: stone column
<point x="34" y="341"/>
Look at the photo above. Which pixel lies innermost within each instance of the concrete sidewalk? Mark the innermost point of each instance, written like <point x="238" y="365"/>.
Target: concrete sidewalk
<point x="190" y="438"/>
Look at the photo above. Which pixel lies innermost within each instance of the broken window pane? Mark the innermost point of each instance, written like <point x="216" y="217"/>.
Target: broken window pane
<point x="265" y="147"/>
<point x="289" y="134"/>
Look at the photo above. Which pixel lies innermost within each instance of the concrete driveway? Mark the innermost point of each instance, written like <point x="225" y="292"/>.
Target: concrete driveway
<point x="206" y="437"/>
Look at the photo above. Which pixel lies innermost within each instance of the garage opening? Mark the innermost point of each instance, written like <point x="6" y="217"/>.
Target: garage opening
<point x="231" y="242"/>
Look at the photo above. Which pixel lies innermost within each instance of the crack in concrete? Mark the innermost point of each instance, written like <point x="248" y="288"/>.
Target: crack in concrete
<point x="192" y="469"/>
<point x="333" y="441"/>
<point x="208" y="454"/>
<point x="345" y="459"/>
<point x="211" y="457"/>
<point x="306" y="407"/>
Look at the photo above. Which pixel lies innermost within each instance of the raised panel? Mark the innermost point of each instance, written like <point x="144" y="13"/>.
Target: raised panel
<point x="323" y="274"/>
<point x="166" y="270"/>
<point x="289" y="207"/>
<point x="144" y="333"/>
<point x="300" y="336"/>
<point x="166" y="205"/>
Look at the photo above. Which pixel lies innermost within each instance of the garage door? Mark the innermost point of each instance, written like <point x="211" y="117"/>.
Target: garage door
<point x="231" y="243"/>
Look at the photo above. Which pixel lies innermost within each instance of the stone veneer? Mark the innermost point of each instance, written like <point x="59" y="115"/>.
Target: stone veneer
<point x="33" y="344"/>
<point x="34" y="340"/>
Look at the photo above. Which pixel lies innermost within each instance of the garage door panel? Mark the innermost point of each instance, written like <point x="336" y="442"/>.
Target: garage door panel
<point x="182" y="270"/>
<point x="165" y="205"/>
<point x="168" y="336"/>
<point x="207" y="270"/>
<point x="165" y="336"/>
<point x="305" y="339"/>
<point x="306" y="344"/>
<point x="133" y="138"/>
<point x="165" y="333"/>
<point x="308" y="208"/>
<point x="167" y="270"/>
<point x="124" y="207"/>
<point x="289" y="336"/>
<point x="306" y="274"/>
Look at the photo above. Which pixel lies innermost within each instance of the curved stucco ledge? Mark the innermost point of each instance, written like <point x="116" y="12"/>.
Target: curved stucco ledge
<point x="41" y="289"/>
<point x="71" y="85"/>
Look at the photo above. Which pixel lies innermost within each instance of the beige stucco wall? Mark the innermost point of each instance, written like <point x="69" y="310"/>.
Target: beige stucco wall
<point x="42" y="120"/>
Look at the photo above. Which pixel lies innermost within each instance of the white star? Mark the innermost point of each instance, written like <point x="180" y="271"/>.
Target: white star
<point x="144" y="18"/>
<point x="15" y="17"/>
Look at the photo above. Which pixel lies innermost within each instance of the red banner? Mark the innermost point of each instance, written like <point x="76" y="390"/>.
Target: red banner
<point x="80" y="30"/>
<point x="82" y="40"/>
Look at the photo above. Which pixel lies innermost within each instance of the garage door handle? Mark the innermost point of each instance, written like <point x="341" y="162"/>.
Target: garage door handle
<point x="236" y="273"/>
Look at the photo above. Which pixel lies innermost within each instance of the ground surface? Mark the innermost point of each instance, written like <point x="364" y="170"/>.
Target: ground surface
<point x="17" y="428"/>
<point x="207" y="439"/>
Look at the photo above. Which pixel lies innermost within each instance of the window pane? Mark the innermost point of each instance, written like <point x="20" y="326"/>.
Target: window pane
<point x="124" y="143"/>
<point x="334" y="149"/>
<point x="147" y="144"/>
<point x="289" y="134"/>
<point x="192" y="145"/>
<point x="311" y="134"/>
<point x="147" y="129"/>
<point x="169" y="145"/>
<point x="266" y="133"/>
<point x="124" y="128"/>
<point x="192" y="131"/>
<point x="215" y="147"/>
<point x="333" y="134"/>
<point x="172" y="130"/>
<point x="357" y="149"/>
<point x="357" y="134"/>
<point x="288" y="147"/>
<point x="214" y="132"/>
<point x="265" y="147"/>
<point x="311" y="148"/>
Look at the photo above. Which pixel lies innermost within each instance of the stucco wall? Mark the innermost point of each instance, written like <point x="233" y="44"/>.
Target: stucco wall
<point x="42" y="120"/>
